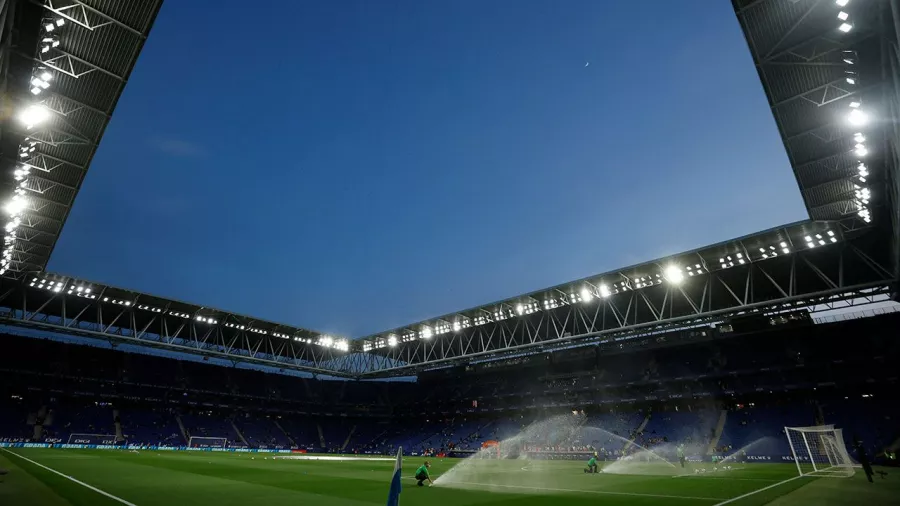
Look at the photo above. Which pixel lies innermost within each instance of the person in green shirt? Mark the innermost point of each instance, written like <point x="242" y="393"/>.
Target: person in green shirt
<point x="422" y="474"/>
<point x="592" y="465"/>
<point x="680" y="451"/>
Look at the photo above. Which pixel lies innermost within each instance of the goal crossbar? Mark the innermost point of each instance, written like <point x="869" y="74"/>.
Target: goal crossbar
<point x="84" y="438"/>
<point x="207" y="442"/>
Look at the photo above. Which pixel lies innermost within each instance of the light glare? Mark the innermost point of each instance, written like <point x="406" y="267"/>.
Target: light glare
<point x="673" y="274"/>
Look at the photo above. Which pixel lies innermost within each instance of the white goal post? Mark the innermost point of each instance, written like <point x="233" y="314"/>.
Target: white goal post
<point x="820" y="451"/>
<point x="207" y="442"/>
<point x="92" y="439"/>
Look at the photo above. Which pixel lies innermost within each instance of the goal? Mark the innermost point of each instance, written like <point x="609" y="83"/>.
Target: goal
<point x="208" y="442"/>
<point x="820" y="451"/>
<point x="93" y="439"/>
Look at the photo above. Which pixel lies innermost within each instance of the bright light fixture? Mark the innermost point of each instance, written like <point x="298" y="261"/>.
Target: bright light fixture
<point x="392" y="340"/>
<point x="34" y="115"/>
<point x="16" y="205"/>
<point x="604" y="291"/>
<point x="843" y="16"/>
<point x="586" y="295"/>
<point x="673" y="274"/>
<point x="845" y="27"/>
<point x="841" y="3"/>
<point x="857" y="117"/>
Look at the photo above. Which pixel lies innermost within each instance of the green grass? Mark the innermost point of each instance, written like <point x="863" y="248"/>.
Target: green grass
<point x="204" y="478"/>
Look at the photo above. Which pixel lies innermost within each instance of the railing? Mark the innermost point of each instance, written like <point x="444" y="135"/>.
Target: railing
<point x="856" y="315"/>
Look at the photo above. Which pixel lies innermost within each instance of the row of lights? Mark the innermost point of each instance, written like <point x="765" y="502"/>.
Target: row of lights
<point x="819" y="240"/>
<point x="87" y="292"/>
<point x="672" y="274"/>
<point x="858" y="118"/>
<point x="58" y="286"/>
<point x="32" y="115"/>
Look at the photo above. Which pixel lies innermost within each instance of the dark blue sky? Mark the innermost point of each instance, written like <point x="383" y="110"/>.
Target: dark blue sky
<point x="355" y="166"/>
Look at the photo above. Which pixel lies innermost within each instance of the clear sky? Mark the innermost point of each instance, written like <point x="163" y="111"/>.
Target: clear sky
<point x="355" y="166"/>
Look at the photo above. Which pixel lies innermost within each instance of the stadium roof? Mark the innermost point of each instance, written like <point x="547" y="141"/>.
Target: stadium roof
<point x="833" y="97"/>
<point x="68" y="62"/>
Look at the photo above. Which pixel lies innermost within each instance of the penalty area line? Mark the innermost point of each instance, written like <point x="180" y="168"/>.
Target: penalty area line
<point x="600" y="492"/>
<point x="748" y="494"/>
<point x="83" y="484"/>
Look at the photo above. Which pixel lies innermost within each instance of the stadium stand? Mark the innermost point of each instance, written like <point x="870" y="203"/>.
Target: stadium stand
<point x="722" y="393"/>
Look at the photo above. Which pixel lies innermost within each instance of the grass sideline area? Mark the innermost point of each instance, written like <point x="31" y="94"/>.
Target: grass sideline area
<point x="147" y="478"/>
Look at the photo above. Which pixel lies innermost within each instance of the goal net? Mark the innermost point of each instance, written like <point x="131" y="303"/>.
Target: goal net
<point x="820" y="451"/>
<point x="93" y="439"/>
<point x="207" y="442"/>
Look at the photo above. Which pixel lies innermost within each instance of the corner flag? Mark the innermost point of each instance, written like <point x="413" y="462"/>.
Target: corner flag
<point x="394" y="494"/>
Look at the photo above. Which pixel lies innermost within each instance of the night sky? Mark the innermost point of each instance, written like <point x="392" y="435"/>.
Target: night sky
<point x="351" y="167"/>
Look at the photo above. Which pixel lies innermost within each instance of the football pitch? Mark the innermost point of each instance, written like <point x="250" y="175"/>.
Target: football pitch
<point x="54" y="477"/>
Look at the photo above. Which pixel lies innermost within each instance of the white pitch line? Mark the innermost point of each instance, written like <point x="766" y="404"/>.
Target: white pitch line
<point x="722" y="477"/>
<point x="601" y="492"/>
<point x="748" y="494"/>
<point x="83" y="484"/>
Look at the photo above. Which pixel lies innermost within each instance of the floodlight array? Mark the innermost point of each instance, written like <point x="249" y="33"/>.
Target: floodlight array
<point x="859" y="119"/>
<point x="672" y="273"/>
<point x="62" y="286"/>
<point x="814" y="241"/>
<point x="31" y="115"/>
<point x="57" y="286"/>
<point x="729" y="261"/>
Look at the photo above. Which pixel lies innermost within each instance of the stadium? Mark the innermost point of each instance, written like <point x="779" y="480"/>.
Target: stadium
<point x="758" y="370"/>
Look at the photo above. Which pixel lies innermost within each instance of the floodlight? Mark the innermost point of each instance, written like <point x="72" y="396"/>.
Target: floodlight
<point x="845" y="27"/>
<point x="854" y="104"/>
<point x="831" y="233"/>
<point x="586" y="295"/>
<point x="604" y="291"/>
<point x="843" y="16"/>
<point x="49" y="27"/>
<point x="456" y="326"/>
<point x="851" y="80"/>
<point x="861" y="150"/>
<point x="859" y="137"/>
<point x="520" y="308"/>
<point x="392" y="340"/>
<point x="673" y="274"/>
<point x="60" y="22"/>
<point x="34" y="115"/>
<point x="857" y="117"/>
<point x="841" y="3"/>
<point x="426" y="333"/>
<point x="16" y="205"/>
